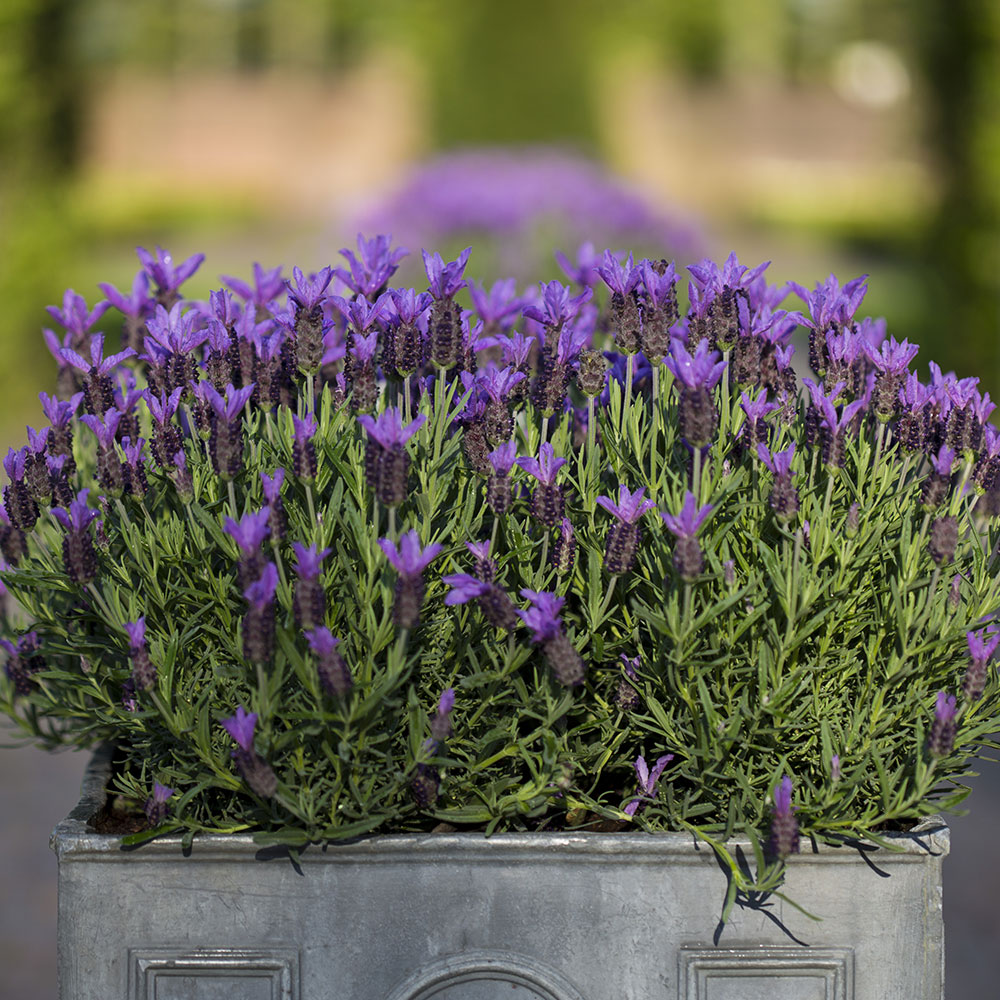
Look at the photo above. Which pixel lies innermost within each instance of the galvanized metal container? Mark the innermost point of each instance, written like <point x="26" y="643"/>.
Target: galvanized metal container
<point x="540" y="916"/>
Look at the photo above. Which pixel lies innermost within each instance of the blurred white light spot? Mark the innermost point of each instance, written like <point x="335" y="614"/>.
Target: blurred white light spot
<point x="870" y="74"/>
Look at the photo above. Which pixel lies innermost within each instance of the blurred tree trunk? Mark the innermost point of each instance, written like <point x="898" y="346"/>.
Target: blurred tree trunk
<point x="959" y="48"/>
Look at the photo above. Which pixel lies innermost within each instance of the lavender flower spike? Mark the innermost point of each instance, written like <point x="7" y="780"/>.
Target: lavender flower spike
<point x="689" y="560"/>
<point x="250" y="531"/>
<point x="543" y="619"/>
<point x="168" y="277"/>
<point x="334" y="673"/>
<point x="630" y="506"/>
<point x="241" y="727"/>
<point x="79" y="515"/>
<point x="545" y="467"/>
<point x="624" y="536"/>
<point x="410" y="560"/>
<point x="647" y="780"/>
<point x="136" y="632"/>
<point x="982" y="645"/>
<point x="784" y="826"/>
<point x="387" y="428"/>
<point x="688" y="522"/>
<point x="942" y="735"/>
<point x="156" y="807"/>
<point x="445" y="279"/>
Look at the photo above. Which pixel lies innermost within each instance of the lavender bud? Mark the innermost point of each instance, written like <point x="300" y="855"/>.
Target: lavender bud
<point x="258" y="634"/>
<point x="409" y="596"/>
<point x="225" y="445"/>
<point x="309" y="603"/>
<point x="784" y="498"/>
<point x="304" y="460"/>
<point x="143" y="671"/>
<point x="476" y="448"/>
<point x="745" y="363"/>
<point x="626" y="322"/>
<point x="689" y="560"/>
<point x="943" y="540"/>
<point x="934" y="491"/>
<point x="548" y="504"/>
<point x="13" y="543"/>
<point x="942" y="735"/>
<point x="498" y="609"/>
<point x="621" y="547"/>
<point x="445" y="329"/>
<point x="592" y="373"/>
<point x="334" y="674"/>
<point x="309" y="337"/>
<point x="853" y="522"/>
<point x="425" y="785"/>
<point x="408" y="348"/>
<point x="79" y="557"/>
<point x="784" y="826"/>
<point x="563" y="552"/>
<point x="499" y="422"/>
<point x="256" y="772"/>
<point x="955" y="592"/>
<point x="729" y="572"/>
<point x="697" y="416"/>
<point x="498" y="494"/>
<point x="565" y="662"/>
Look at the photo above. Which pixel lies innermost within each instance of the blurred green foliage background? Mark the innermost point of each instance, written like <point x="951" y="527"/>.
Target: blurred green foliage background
<point x="823" y="134"/>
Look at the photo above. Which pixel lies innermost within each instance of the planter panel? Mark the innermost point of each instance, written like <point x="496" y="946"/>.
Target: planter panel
<point x="460" y="917"/>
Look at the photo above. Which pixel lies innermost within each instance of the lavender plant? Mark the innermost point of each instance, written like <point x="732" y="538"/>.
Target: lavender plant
<point x="260" y="596"/>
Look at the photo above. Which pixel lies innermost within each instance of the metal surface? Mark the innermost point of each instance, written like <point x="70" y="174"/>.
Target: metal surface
<point x="461" y="917"/>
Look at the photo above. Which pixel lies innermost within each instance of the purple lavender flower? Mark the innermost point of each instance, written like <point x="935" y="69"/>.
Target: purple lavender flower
<point x="135" y="307"/>
<point x="75" y="317"/>
<point x="267" y="286"/>
<point x="156" y="807"/>
<point x="548" y="504"/>
<point x="942" y="735"/>
<point x="271" y="486"/>
<point x="23" y="661"/>
<point x="625" y="535"/>
<point x="387" y="464"/>
<point x="697" y="374"/>
<point x="445" y="322"/>
<point x="250" y="531"/>
<point x="498" y="308"/>
<point x="143" y="670"/>
<point x="584" y="271"/>
<point x="441" y="723"/>
<point x="98" y="389"/>
<point x="79" y="515"/>
<point x="410" y="561"/>
<point x="543" y="619"/>
<point x="784" y="498"/>
<point x="309" y="598"/>
<point x="937" y="485"/>
<point x="689" y="560"/>
<point x="465" y="588"/>
<point x="784" y="825"/>
<point x="830" y="307"/>
<point x="165" y="274"/>
<point x="377" y="264"/>
<point x="334" y="673"/>
<point x="255" y="770"/>
<point x="241" y="728"/>
<point x="982" y="645"/>
<point x="557" y="306"/>
<point x="646" y="780"/>
<point x="79" y="557"/>
<point x="445" y="279"/>
<point x="258" y="622"/>
<point x="225" y="443"/>
<point x="754" y="430"/>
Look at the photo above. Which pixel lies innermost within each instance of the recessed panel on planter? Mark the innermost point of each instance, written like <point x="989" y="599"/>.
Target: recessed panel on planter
<point x="766" y="974"/>
<point x="485" y="976"/>
<point x="213" y="974"/>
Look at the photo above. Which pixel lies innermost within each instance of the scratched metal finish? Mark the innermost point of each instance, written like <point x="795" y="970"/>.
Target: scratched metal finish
<point x="461" y="917"/>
